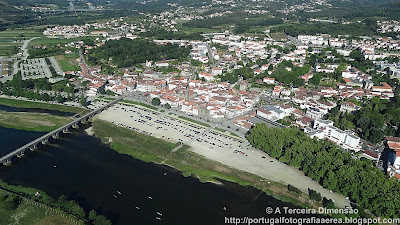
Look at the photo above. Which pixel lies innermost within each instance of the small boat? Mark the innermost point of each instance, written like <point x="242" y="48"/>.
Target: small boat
<point x="158" y="218"/>
<point x="150" y="198"/>
<point x="165" y="174"/>
<point x="137" y="207"/>
<point x="115" y="196"/>
<point x="55" y="166"/>
<point x="224" y="208"/>
<point x="159" y="213"/>
<point x="118" y="192"/>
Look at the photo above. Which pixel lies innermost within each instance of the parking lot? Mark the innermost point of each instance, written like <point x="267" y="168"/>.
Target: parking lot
<point x="34" y="69"/>
<point x="164" y="126"/>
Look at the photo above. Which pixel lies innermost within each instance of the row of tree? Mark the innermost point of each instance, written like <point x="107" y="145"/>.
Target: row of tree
<point x="333" y="168"/>
<point x="37" y="89"/>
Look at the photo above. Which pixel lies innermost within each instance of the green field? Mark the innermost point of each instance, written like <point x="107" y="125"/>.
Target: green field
<point x="27" y="213"/>
<point x="6" y="52"/>
<point x="48" y="41"/>
<point x="6" y="44"/>
<point x="278" y="36"/>
<point x="68" y="62"/>
<point x="9" y="37"/>
<point x="28" y="33"/>
<point x="7" y="48"/>
<point x="8" y="40"/>
<point x="220" y="129"/>
<point x="40" y="122"/>
<point x="189" y="30"/>
<point x="41" y="105"/>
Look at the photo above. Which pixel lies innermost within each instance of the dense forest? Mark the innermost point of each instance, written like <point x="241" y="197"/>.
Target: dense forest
<point x="331" y="167"/>
<point x="283" y="75"/>
<point x="367" y="27"/>
<point x="127" y="53"/>
<point x="242" y="21"/>
<point x="169" y="35"/>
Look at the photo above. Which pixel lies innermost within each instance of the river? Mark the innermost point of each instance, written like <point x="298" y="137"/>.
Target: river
<point x="35" y="110"/>
<point x="91" y="173"/>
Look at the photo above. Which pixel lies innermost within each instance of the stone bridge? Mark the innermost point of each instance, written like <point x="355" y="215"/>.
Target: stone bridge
<point x="33" y="145"/>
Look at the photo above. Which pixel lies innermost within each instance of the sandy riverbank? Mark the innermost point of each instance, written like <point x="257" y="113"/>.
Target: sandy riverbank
<point x="253" y="163"/>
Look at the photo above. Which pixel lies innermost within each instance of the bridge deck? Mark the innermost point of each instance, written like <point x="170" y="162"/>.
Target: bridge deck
<point x="48" y="135"/>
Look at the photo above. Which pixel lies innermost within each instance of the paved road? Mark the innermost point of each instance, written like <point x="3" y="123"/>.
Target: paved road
<point x="24" y="48"/>
<point x="83" y="60"/>
<point x="56" y="66"/>
<point x="210" y="54"/>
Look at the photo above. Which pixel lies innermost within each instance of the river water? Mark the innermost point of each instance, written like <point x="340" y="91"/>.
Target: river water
<point x="91" y="173"/>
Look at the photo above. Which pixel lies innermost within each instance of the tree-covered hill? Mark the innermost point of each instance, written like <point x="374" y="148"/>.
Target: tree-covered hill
<point x="126" y="52"/>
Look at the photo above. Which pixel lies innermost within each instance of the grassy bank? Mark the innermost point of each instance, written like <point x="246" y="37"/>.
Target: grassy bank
<point x="40" y="105"/>
<point x="41" y="122"/>
<point x="220" y="129"/>
<point x="27" y="213"/>
<point x="141" y="104"/>
<point x="195" y="121"/>
<point x="24" y="205"/>
<point x="151" y="149"/>
<point x="15" y="210"/>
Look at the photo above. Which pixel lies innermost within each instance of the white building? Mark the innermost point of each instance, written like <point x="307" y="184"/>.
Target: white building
<point x="345" y="139"/>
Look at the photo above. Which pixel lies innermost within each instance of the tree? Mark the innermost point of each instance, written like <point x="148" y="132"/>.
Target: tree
<point x="98" y="219"/>
<point x="155" y="101"/>
<point x="59" y="98"/>
<point x="356" y="55"/>
<point x="316" y="79"/>
<point x="92" y="215"/>
<point x="102" y="90"/>
<point x="328" y="203"/>
<point x="167" y="106"/>
<point x="83" y="101"/>
<point x="101" y="220"/>
<point x="314" y="195"/>
<point x="375" y="135"/>
<point x="12" y="203"/>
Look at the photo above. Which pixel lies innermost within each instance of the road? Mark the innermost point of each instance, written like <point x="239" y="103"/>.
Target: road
<point x="83" y="60"/>
<point x="210" y="54"/>
<point x="56" y="66"/>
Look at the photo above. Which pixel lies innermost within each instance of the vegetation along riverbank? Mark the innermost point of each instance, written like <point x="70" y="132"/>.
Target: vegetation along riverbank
<point x="41" y="105"/>
<point x="30" y="206"/>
